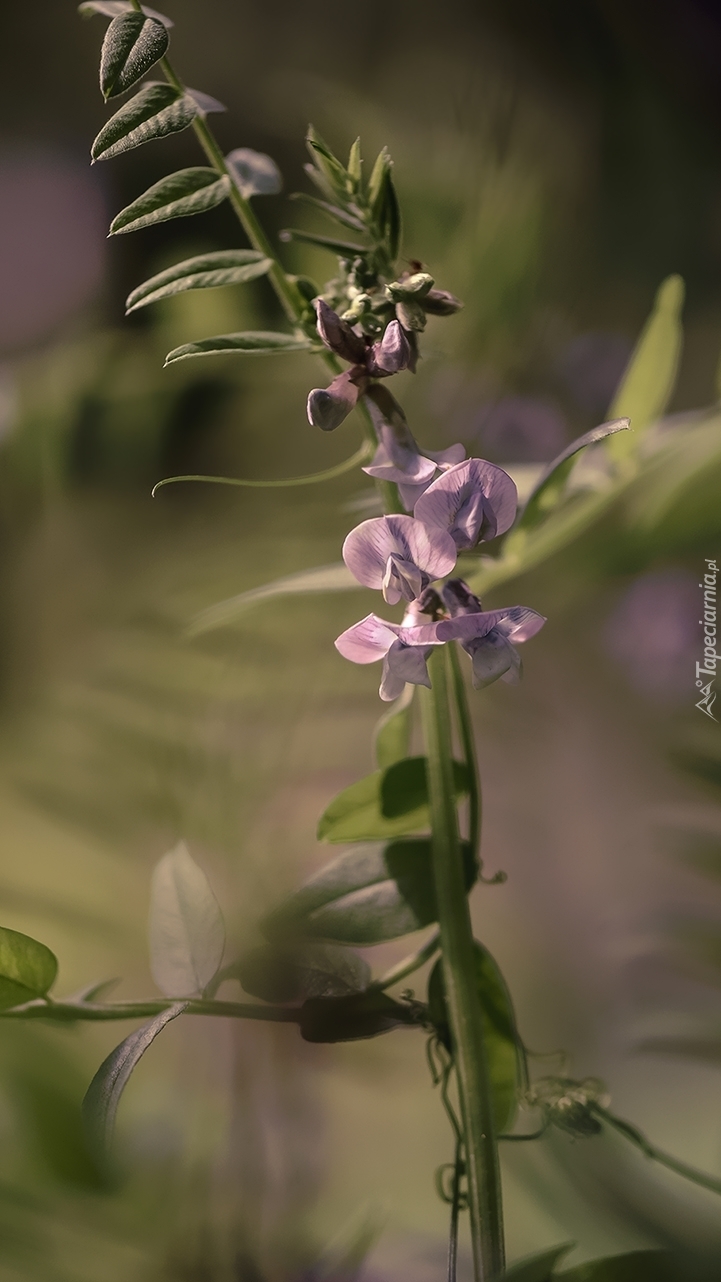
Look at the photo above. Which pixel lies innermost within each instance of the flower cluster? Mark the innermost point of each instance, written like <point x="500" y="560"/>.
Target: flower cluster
<point x="403" y="556"/>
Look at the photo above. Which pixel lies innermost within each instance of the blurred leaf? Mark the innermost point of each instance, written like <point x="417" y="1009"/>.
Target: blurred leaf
<point x="103" y="1095"/>
<point x="342" y="247"/>
<point x="355" y="164"/>
<point x="536" y="1268"/>
<point x="342" y="1258"/>
<point x="383" y="200"/>
<point x="392" y="733"/>
<point x="348" y="1019"/>
<point x="27" y="969"/>
<point x="255" y="174"/>
<point x="499" y="1027"/>
<point x="155" y="111"/>
<point x="278" y="974"/>
<point x="333" y="211"/>
<point x="133" y="44"/>
<point x="187" y="935"/>
<point x="189" y="191"/>
<point x="388" y="803"/>
<point x="635" y="1266"/>
<point x="207" y="105"/>
<point x="367" y="894"/>
<point x="206" y="271"/>
<point x="549" y="488"/>
<point x="112" y="8"/>
<point x="324" y="578"/>
<point x="647" y="385"/>
<point x="258" y="342"/>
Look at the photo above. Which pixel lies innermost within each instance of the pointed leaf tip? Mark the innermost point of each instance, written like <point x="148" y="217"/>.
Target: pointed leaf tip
<point x="103" y="1095"/>
<point x="133" y="44"/>
<point x="186" y="192"/>
<point x="187" y="935"/>
<point x="27" y="969"/>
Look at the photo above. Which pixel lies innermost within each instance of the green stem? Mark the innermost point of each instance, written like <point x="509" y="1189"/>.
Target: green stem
<point x="656" y="1154"/>
<point x="338" y="469"/>
<point x="464" y="1007"/>
<point x="469" y="752"/>
<point x="68" y="1011"/>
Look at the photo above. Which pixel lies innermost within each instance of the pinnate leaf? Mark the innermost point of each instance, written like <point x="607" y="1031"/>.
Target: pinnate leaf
<point x="207" y="271"/>
<point x="189" y="191"/>
<point x="291" y="974"/>
<point x="367" y="894"/>
<point x="647" y="385"/>
<point x="499" y="1027"/>
<point x="388" y="803"/>
<point x="103" y="1095"/>
<point x="27" y="968"/>
<point x="187" y="936"/>
<point x="254" y="173"/>
<point x="251" y="342"/>
<point x="349" y="1019"/>
<point x="538" y="1267"/>
<point x="112" y="8"/>
<point x="133" y="44"/>
<point x="155" y="111"/>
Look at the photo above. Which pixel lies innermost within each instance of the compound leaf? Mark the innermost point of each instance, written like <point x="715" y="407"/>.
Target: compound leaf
<point x="207" y="271"/>
<point x="252" y="342"/>
<point x="155" y="111"/>
<point x="103" y="1095"/>
<point x="27" y="968"/>
<point x="187" y="936"/>
<point x="133" y="44"/>
<point x="188" y="191"/>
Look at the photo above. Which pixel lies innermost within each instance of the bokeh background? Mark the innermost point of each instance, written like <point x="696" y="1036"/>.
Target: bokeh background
<point x="555" y="162"/>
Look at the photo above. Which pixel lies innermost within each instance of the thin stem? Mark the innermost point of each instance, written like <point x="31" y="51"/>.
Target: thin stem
<point x="469" y="752"/>
<point x="656" y="1154"/>
<point x="455" y="1208"/>
<point x="408" y="964"/>
<point x="464" y="1007"/>
<point x="338" y="469"/>
<point x="73" y="1010"/>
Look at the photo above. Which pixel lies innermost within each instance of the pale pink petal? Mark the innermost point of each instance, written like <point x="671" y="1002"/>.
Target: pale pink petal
<point x="368" y="640"/>
<point x="474" y="500"/>
<point x="368" y="547"/>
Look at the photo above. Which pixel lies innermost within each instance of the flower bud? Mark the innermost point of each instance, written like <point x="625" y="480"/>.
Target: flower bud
<point x="328" y="407"/>
<point x="438" y="302"/>
<point x="410" y="288"/>
<point x="411" y="315"/>
<point x="338" y="336"/>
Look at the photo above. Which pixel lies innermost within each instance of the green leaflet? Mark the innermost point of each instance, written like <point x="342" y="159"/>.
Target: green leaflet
<point x="187" y="935"/>
<point x="103" y="1095"/>
<point x="206" y="271"/>
<point x="647" y="385"/>
<point x="189" y="191"/>
<point x="112" y="8"/>
<point x="349" y="1019"/>
<point x="291" y="974"/>
<point x="328" y="164"/>
<point x="366" y="895"/>
<point x="537" y="1268"/>
<point x="133" y="44"/>
<point x="548" y="490"/>
<point x="388" y="803"/>
<point x="258" y="342"/>
<point x="155" y="111"/>
<point x="27" y="969"/>
<point x="392" y="733"/>
<point x="499" y="1029"/>
<point x="344" y="248"/>
<point x="323" y="578"/>
<point x="634" y="1266"/>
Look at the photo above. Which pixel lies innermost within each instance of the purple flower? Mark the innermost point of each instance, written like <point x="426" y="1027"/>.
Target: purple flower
<point x="488" y="637"/>
<point x="393" y="352"/>
<point x="473" y="501"/>
<point x="399" y="555"/>
<point x="398" y="457"/>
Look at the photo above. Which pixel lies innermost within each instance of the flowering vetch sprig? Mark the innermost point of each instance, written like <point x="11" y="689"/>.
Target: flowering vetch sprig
<point x="471" y="502"/>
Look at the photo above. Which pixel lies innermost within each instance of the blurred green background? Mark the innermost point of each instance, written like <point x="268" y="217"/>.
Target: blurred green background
<point x="555" y="162"/>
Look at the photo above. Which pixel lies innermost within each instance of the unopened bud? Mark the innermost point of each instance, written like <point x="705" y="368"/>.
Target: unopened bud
<point x="327" y="407"/>
<point x="393" y="352"/>
<point x="438" y="302"/>
<point x="411" y="315"/>
<point x="409" y="288"/>
<point x="337" y="335"/>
